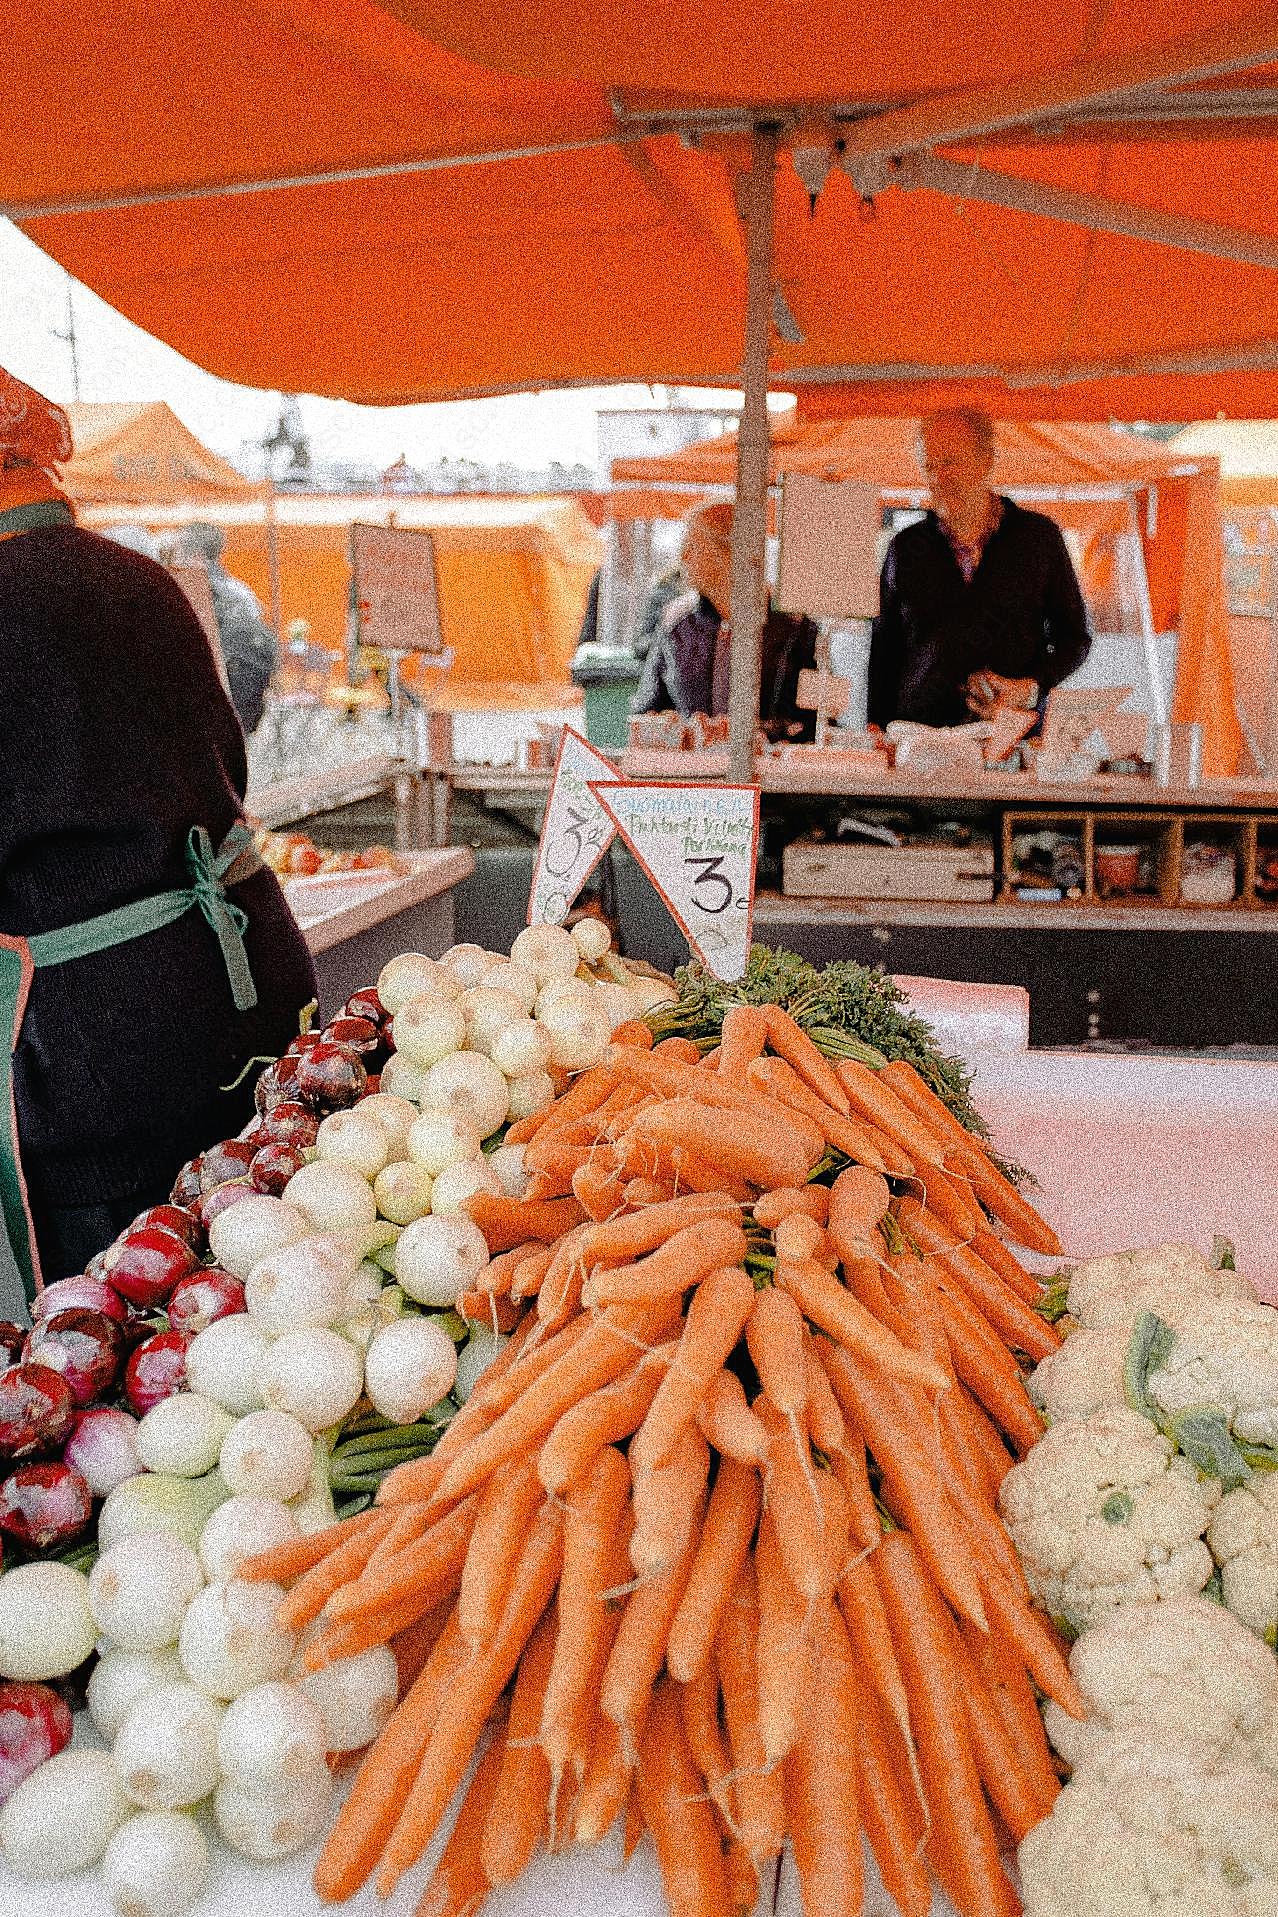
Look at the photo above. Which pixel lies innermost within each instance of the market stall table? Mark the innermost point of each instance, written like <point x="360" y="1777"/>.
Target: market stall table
<point x="354" y="921"/>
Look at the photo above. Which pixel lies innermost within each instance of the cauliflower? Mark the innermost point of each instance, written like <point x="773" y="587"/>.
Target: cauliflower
<point x="1102" y="1512"/>
<point x="1243" y="1536"/>
<point x="1080" y="1377"/>
<point x="1152" y="1828"/>
<point x="1163" y="1279"/>
<point x="1226" y="1356"/>
<point x="1183" y="1669"/>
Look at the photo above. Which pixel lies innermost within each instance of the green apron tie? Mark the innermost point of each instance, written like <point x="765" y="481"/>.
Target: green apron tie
<point x="211" y="873"/>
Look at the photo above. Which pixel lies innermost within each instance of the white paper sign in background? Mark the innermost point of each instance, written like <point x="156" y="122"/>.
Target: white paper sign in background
<point x="396" y="588"/>
<point x="698" y="845"/>
<point x="576" y="831"/>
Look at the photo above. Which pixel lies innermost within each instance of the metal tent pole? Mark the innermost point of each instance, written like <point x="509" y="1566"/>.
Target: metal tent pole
<point x="750" y="520"/>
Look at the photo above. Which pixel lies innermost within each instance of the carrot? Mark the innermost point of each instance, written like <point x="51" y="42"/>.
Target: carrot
<point x="536" y="1359"/>
<point x="790" y="1042"/>
<point x="812" y="1201"/>
<point x="985" y="1366"/>
<point x="886" y="1814"/>
<point x="1018" y="1326"/>
<point x="640" y="1647"/>
<point x="825" y="1420"/>
<point x="465" y="1707"/>
<point x="601" y="1353"/>
<point x="486" y="1308"/>
<point x="1030" y="1636"/>
<point x="683" y="1050"/>
<point x="460" y="1880"/>
<point x="593" y="1517"/>
<point x="717" y="1315"/>
<point x="523" y="1130"/>
<point x="366" y="1819"/>
<point x="728" y="1423"/>
<point x="821" y="1297"/>
<point x="559" y="1294"/>
<point x="742" y="1145"/>
<point x="586" y="1093"/>
<point x="1006" y="1779"/>
<point x="760" y="1799"/>
<point x="348" y="1636"/>
<point x="744" y="1035"/>
<point x="641" y="1192"/>
<point x="699" y="1706"/>
<point x="1012" y="1696"/>
<point x="433" y="1562"/>
<point x="505" y="1510"/>
<point x="794" y="1502"/>
<point x="624" y="1239"/>
<point x="604" y="1786"/>
<point x="858" y="1199"/>
<point x="948" y="1202"/>
<point x="499" y="1271"/>
<point x="507" y="1222"/>
<point x="962" y="1835"/>
<point x="633" y="1826"/>
<point x="604" y="1417"/>
<point x="669" y="1079"/>
<point x="684" y="1259"/>
<point x="284" y="1562"/>
<point x="633" y="1032"/>
<point x="664" y="1498"/>
<point x="774" y="1339"/>
<point x="681" y="1821"/>
<point x="526" y="1277"/>
<point x="693" y="1173"/>
<point x="413" y="1645"/>
<point x="1024" y="1224"/>
<point x="743" y="1879"/>
<point x="785" y="1651"/>
<point x="522" y="1793"/>
<point x="1001" y="1259"/>
<point x="879" y="1413"/>
<point x="849" y="1466"/>
<point x="800" y="1237"/>
<point x="985" y="1440"/>
<point x="598" y="1186"/>
<point x="342" y="1563"/>
<point x="779" y="1081"/>
<point x="862" y="1608"/>
<point x="871" y="1098"/>
<point x="835" y="1529"/>
<point x="731" y="1516"/>
<point x="913" y="1090"/>
<point x="821" y="1783"/>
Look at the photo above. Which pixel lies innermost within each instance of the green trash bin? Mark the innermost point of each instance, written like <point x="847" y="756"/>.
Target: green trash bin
<point x="609" y="678"/>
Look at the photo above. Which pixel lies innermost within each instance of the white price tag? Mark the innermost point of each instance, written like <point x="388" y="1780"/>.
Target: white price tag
<point x="576" y="831"/>
<point x="699" y="846"/>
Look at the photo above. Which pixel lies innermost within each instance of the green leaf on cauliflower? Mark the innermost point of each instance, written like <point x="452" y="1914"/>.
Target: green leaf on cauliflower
<point x="1054" y="1302"/>
<point x="1117" y="1508"/>
<point x="1261" y="1457"/>
<point x="1203" y="1435"/>
<point x="1222" y="1254"/>
<point x="1149" y="1349"/>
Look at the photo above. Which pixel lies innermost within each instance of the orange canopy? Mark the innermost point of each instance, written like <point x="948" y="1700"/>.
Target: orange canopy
<point x="436" y="198"/>
<point x="144" y="455"/>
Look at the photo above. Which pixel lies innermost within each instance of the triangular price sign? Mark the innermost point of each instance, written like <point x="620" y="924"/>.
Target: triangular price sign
<point x="576" y="831"/>
<point x="698" y="843"/>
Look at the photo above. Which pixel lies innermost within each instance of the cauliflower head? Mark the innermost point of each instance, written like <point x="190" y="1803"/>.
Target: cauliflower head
<point x="1184" y="1669"/>
<point x="1243" y="1536"/>
<point x="1152" y="1828"/>
<point x="1225" y="1356"/>
<point x="1082" y="1376"/>
<point x="1102" y="1512"/>
<point x="1163" y="1279"/>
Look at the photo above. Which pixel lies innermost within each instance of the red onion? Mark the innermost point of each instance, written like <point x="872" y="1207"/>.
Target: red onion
<point x="202" y="1297"/>
<point x="156" y="1370"/>
<point x="35" y="1724"/>
<point x="103" y="1448"/>
<point x="146" y="1263"/>
<point x="44" y="1504"/>
<point x="36" y="1410"/>
<point x="85" y="1346"/>
<point x="83" y="1292"/>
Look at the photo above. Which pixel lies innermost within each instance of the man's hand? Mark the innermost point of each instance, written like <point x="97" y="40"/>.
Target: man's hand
<point x="986" y="691"/>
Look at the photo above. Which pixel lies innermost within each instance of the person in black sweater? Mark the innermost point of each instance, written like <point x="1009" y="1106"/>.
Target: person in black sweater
<point x="116" y="739"/>
<point x="979" y="606"/>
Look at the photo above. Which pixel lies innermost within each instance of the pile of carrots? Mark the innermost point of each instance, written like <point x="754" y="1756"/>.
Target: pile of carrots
<point x="714" y="1546"/>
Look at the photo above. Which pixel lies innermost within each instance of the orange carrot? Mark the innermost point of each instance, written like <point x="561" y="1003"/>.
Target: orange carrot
<point x="339" y="1566"/>
<point x="1028" y="1633"/>
<point x="800" y="1237"/>
<point x="773" y="1078"/>
<point x="985" y="1441"/>
<point x="731" y="1516"/>
<point x="1006" y="1779"/>
<point x="886" y="1812"/>
<point x="821" y="1783"/>
<point x="849" y="1467"/>
<point x="432" y="1562"/>
<point x="684" y="1259"/>
<point x="943" y="1194"/>
<point x="639" y="1192"/>
<point x="1012" y="1696"/>
<point x="460" y="1880"/>
<point x="604" y="1787"/>
<point x="742" y="1145"/>
<point x="871" y="1098"/>
<point x="506" y="1222"/>
<point x="790" y="1042"/>
<point x="828" y="1304"/>
<point x="505" y="1510"/>
<point x="602" y="1418"/>
<point x="813" y="1201"/>
<point x="465" y="1708"/>
<point x="621" y="1240"/>
<point x="593" y="1517"/>
<point x="633" y="1031"/>
<point x="745" y="1033"/>
<point x="760" y="1799"/>
<point x="526" y="1276"/>
<point x="699" y="1706"/>
<point x="727" y="1422"/>
<point x="499" y="1271"/>
<point x="640" y="1647"/>
<point x="1002" y="1259"/>
<point x="520" y="1799"/>
<point x="774" y="1338"/>
<point x="858" y="1199"/>
<point x="1025" y="1225"/>
<point x="720" y="1306"/>
<point x="984" y="1364"/>
<point x="485" y="1308"/>
<point x="347" y="1637"/>
<point x="794" y="1502"/>
<point x="598" y="1186"/>
<point x="681" y="1821"/>
<point x="413" y="1646"/>
<point x="786" y="1648"/>
<point x="825" y="1420"/>
<point x="523" y="1130"/>
<point x="664" y="1498"/>
<point x="862" y="1607"/>
<point x="1018" y="1326"/>
<point x="535" y="1360"/>
<point x="683" y="1050"/>
<point x="283" y="1562"/>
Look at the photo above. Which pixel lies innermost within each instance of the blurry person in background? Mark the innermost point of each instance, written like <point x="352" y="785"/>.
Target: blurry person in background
<point x="979" y="606"/>
<point x="146" y="954"/>
<point x="687" y="665"/>
<point x="248" y="645"/>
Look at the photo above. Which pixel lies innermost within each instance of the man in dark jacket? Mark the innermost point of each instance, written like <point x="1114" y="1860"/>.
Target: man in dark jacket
<point x="248" y="645"/>
<point x="979" y="606"/>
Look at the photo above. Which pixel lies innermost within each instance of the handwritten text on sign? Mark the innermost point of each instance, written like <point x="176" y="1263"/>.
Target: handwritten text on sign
<point x="396" y="588"/>
<point x="576" y="833"/>
<point x="698" y="844"/>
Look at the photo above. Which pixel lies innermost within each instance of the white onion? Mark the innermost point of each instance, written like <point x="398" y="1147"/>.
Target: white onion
<point x="468" y="963"/>
<point x="614" y="1002"/>
<point x="439" y="1257"/>
<point x="267" y="1455"/>
<point x="271" y="1736"/>
<point x="355" y="1138"/>
<point x="402" y="1192"/>
<point x="231" y="1637"/>
<point x="303" y="1285"/>
<point x="565" y="991"/>
<point x="507" y="1166"/>
<point x="120" y="1678"/>
<point x="157" y="1501"/>
<point x="472" y="1085"/>
<point x="578" y="1035"/>
<point x="505" y="976"/>
<point x="62" y="1817"/>
<point x="457" y="1183"/>
<point x="265" y="1825"/>
<point x="647" y="994"/>
<point x="240" y="1528"/>
<point x="409" y="1366"/>
<point x="156" y="1865"/>
<point x="222" y="1362"/>
<point x="474" y="1358"/>
<point x="46" y="1627"/>
<point x="260" y="1225"/>
<point x="333" y="1197"/>
<point x="523" y="1047"/>
<point x="356" y="1696"/>
<point x="314" y="1374"/>
<point x="394" y="1115"/>
<point x="139" y="1590"/>
<point x="428" y="1029"/>
<point x="183" y="1434"/>
<point x="488" y="1012"/>
<point x="400" y="1078"/>
<point x="531" y="1094"/>
<point x="592" y="939"/>
<point x="548" y="952"/>
<point x="166" y="1749"/>
<point x="441" y="1138"/>
<point x="409" y="976"/>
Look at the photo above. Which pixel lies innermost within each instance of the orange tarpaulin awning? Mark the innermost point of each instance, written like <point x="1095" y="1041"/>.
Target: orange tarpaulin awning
<point x="143" y="455"/>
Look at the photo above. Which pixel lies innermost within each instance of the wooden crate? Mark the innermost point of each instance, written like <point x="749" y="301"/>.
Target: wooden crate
<point x="817" y="869"/>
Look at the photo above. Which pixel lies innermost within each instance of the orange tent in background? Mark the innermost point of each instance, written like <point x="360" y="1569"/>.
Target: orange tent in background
<point x="143" y="455"/>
